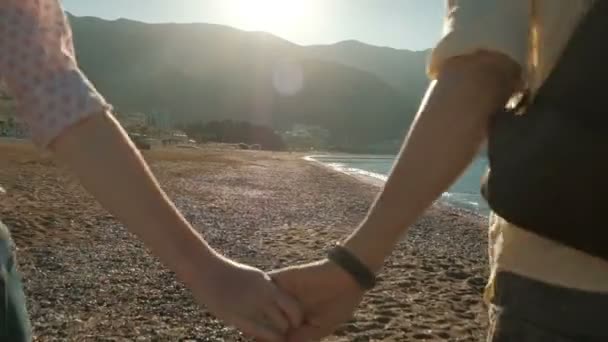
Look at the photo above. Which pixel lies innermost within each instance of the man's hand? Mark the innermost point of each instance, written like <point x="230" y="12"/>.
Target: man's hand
<point x="328" y="297"/>
<point x="247" y="299"/>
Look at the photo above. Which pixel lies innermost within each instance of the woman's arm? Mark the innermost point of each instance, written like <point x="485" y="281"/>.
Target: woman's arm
<point x="108" y="165"/>
<point x="66" y="114"/>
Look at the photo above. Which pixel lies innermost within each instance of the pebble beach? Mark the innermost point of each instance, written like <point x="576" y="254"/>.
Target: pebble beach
<point x="88" y="279"/>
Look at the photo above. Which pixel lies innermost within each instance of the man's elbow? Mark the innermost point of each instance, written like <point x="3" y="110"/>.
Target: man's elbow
<point x="488" y="76"/>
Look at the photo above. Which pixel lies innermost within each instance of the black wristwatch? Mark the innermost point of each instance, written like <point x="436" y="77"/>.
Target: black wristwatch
<point x="353" y="266"/>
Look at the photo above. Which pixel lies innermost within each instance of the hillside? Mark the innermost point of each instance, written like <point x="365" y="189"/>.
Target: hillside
<point x="202" y="72"/>
<point x="402" y="69"/>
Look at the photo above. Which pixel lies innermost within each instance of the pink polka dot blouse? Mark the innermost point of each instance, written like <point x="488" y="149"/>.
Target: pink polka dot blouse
<point x="38" y="65"/>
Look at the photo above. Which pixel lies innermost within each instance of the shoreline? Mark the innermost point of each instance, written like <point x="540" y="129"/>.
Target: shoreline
<point x="371" y="180"/>
<point x="378" y="181"/>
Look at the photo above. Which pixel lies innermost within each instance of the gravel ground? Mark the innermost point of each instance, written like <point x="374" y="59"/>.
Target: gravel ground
<point x="88" y="279"/>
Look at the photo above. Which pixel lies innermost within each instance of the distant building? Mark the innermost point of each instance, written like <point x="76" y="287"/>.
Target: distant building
<point x="301" y="130"/>
<point x="173" y="137"/>
<point x="10" y="125"/>
<point x="133" y="120"/>
<point x="4" y="123"/>
<point x="7" y="110"/>
<point x="303" y="136"/>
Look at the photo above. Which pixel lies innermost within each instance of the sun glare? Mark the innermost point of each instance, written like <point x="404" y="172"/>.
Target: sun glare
<point x="278" y="16"/>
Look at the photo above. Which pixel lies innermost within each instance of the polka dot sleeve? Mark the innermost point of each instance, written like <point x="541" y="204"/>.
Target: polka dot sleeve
<point x="38" y="64"/>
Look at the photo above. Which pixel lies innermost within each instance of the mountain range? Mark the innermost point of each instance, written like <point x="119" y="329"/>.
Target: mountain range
<point x="362" y="94"/>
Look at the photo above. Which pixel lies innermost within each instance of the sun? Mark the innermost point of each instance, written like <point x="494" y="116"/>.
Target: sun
<point x="277" y="16"/>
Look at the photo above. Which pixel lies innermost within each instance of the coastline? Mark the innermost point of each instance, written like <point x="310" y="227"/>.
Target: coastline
<point x="371" y="178"/>
<point x="87" y="278"/>
<point x="378" y="180"/>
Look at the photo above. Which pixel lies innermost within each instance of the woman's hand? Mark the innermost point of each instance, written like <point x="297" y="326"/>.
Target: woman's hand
<point x="327" y="294"/>
<point x="246" y="298"/>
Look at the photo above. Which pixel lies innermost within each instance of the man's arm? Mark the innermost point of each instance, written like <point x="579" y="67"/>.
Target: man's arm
<point x="447" y="134"/>
<point x="445" y="137"/>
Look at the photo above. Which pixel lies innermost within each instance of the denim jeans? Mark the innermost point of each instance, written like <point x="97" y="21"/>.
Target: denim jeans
<point x="525" y="310"/>
<point x="14" y="319"/>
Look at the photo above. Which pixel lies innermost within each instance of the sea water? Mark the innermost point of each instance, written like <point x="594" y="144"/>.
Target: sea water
<point x="464" y="193"/>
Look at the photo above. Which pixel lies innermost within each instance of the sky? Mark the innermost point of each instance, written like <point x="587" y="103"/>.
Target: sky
<point x="403" y="24"/>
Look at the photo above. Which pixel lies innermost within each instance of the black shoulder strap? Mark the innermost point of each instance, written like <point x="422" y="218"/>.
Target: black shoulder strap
<point x="579" y="78"/>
